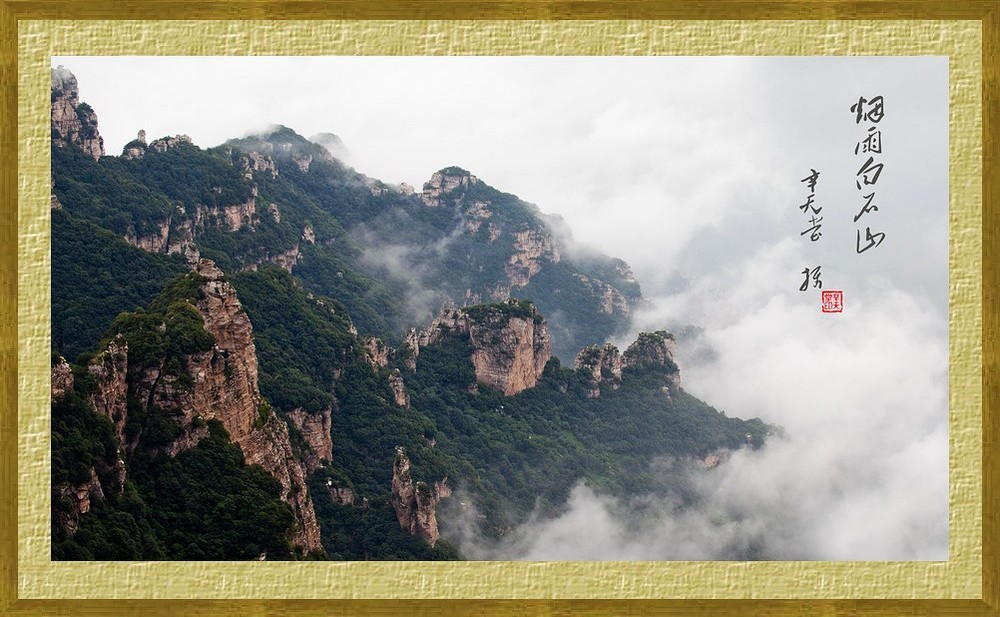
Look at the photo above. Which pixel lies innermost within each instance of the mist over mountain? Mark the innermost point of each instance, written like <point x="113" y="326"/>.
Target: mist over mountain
<point x="353" y="369"/>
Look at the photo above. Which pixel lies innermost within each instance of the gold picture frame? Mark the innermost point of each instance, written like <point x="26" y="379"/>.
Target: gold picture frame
<point x="36" y="30"/>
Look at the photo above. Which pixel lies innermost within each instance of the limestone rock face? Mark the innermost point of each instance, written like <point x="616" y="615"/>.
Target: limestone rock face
<point x="73" y="123"/>
<point x="62" y="378"/>
<point x="510" y="343"/>
<point x="603" y="365"/>
<point x="416" y="504"/>
<point x="154" y="241"/>
<point x="444" y="182"/>
<point x="286" y="259"/>
<point x="302" y="161"/>
<point x="476" y="214"/>
<point x="315" y="430"/>
<point x="512" y="359"/>
<point x="135" y="149"/>
<point x="410" y="349"/>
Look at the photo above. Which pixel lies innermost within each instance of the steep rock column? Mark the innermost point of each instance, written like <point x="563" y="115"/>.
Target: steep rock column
<point x="416" y="505"/>
<point x="223" y="385"/>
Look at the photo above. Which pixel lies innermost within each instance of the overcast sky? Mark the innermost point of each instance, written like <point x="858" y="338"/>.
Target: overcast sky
<point x="690" y="169"/>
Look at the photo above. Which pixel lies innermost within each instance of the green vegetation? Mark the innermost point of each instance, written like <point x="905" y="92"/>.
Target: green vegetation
<point x="377" y="261"/>
<point x="172" y="328"/>
<point x="203" y="504"/>
<point x="96" y="276"/>
<point x="505" y="311"/>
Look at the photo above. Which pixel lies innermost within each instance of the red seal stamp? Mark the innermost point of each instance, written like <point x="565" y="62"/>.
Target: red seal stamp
<point x="833" y="301"/>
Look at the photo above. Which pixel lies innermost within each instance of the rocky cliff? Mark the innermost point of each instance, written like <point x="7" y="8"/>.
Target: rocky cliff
<point x="315" y="431"/>
<point x="416" y="504"/>
<point x="73" y="123"/>
<point x="510" y="342"/>
<point x="220" y="383"/>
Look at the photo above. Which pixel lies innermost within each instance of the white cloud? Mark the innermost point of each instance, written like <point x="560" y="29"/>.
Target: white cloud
<point x="862" y="472"/>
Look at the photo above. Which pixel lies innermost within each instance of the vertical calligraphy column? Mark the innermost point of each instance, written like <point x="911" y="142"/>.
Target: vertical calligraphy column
<point x="871" y="111"/>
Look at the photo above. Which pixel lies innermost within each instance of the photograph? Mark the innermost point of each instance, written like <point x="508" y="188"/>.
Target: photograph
<point x="500" y="308"/>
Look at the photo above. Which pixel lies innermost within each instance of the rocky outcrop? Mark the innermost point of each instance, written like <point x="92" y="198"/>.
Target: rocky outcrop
<point x="603" y="365"/>
<point x="315" y="431"/>
<point x="256" y="162"/>
<point x="108" y="397"/>
<point x="655" y="350"/>
<point x="475" y="214"/>
<point x="135" y="149"/>
<point x="73" y="123"/>
<point x="610" y="300"/>
<point x="340" y="495"/>
<point x="416" y="504"/>
<point x="221" y="384"/>
<point x="286" y="259"/>
<point x="302" y="161"/>
<point x="166" y="143"/>
<point x="308" y="234"/>
<point x="399" y="393"/>
<point x="409" y="351"/>
<point x="269" y="446"/>
<point x="76" y="501"/>
<point x="510" y="342"/>
<point x="443" y="183"/>
<point x="376" y="352"/>
<point x="153" y="241"/>
<point x="62" y="378"/>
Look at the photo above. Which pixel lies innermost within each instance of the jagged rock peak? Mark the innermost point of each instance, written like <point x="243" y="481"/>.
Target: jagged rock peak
<point x="135" y="149"/>
<point x="603" y="365"/>
<point x="651" y="349"/>
<point x="73" y="123"/>
<point x="207" y="269"/>
<point x="654" y="350"/>
<point x="416" y="504"/>
<point x="398" y="387"/>
<point x="445" y="182"/>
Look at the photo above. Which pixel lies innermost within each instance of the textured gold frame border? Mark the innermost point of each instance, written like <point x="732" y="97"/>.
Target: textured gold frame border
<point x="966" y="584"/>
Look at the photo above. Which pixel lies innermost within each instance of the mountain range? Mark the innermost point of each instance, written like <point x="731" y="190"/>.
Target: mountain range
<point x="261" y="353"/>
